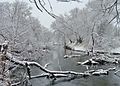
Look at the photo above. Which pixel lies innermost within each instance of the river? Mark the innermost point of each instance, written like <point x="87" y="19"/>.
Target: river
<point x="59" y="63"/>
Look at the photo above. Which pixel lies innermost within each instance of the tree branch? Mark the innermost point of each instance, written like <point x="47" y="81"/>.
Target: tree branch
<point x="59" y="74"/>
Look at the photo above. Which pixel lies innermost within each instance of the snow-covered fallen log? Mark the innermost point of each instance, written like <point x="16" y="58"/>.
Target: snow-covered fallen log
<point x="58" y="74"/>
<point x="100" y="60"/>
<point x="87" y="51"/>
<point x="54" y="74"/>
<point x="74" y="49"/>
<point x="48" y="76"/>
<point x="74" y="56"/>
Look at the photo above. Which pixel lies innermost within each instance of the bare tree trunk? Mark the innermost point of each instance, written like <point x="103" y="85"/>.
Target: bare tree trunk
<point x="4" y="75"/>
<point x="93" y="41"/>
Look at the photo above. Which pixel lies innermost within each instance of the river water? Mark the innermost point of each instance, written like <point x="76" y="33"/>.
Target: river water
<point x="59" y="63"/>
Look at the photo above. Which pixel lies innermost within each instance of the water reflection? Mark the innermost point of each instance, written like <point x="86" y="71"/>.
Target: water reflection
<point x="59" y="63"/>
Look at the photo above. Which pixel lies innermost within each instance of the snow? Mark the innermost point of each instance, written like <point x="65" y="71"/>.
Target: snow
<point x="116" y="50"/>
<point x="77" y="46"/>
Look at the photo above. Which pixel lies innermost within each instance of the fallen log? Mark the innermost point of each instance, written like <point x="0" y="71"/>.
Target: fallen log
<point x="73" y="56"/>
<point x="67" y="47"/>
<point x="57" y="74"/>
<point x="99" y="60"/>
<point x="72" y="48"/>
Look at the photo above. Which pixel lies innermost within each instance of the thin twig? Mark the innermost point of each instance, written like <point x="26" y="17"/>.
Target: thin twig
<point x="46" y="9"/>
<point x="37" y="5"/>
<point x="50" y="5"/>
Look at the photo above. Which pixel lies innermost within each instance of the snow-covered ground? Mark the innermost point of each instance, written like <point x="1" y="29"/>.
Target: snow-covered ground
<point x="77" y="46"/>
<point x="116" y="50"/>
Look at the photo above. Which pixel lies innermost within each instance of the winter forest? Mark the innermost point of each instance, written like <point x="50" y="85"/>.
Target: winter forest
<point x="81" y="48"/>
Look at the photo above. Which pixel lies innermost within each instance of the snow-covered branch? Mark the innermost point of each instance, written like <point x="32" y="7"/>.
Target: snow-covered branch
<point x="87" y="51"/>
<point x="61" y="74"/>
<point x="56" y="74"/>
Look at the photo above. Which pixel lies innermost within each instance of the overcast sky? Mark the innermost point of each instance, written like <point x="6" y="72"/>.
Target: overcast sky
<point x="58" y="8"/>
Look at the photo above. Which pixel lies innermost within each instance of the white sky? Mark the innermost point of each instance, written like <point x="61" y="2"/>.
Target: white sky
<point x="58" y="8"/>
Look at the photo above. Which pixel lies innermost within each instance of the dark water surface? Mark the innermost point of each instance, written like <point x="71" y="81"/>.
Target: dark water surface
<point x="59" y="63"/>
